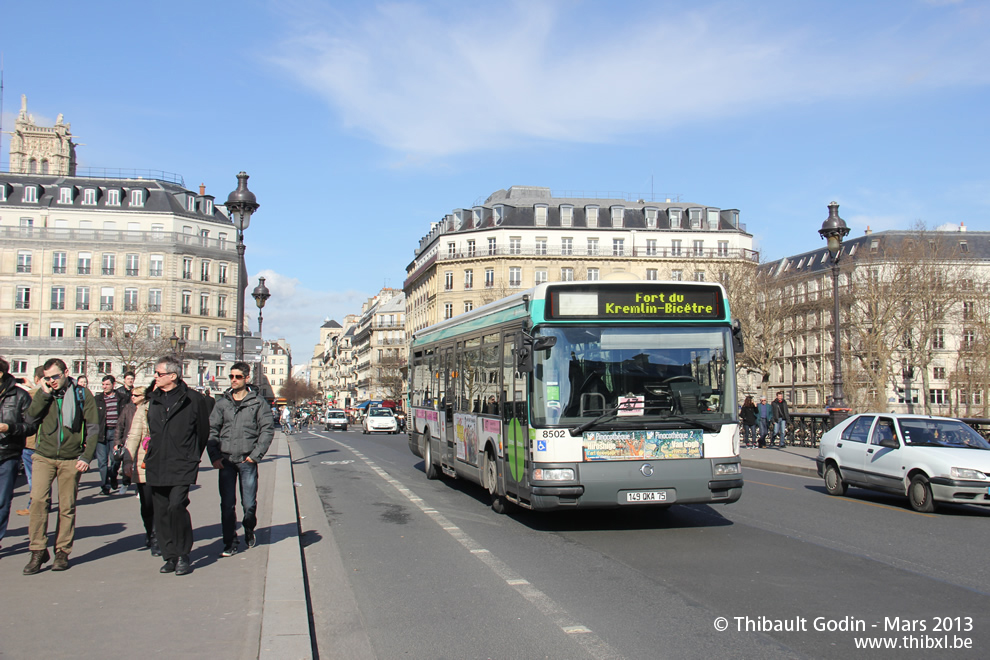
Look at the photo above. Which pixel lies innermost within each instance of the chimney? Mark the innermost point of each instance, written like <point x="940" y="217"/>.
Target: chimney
<point x="962" y="226"/>
<point x="202" y="189"/>
<point x="868" y="230"/>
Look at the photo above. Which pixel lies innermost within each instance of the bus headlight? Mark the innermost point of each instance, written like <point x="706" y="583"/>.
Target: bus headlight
<point x="553" y="474"/>
<point x="722" y="469"/>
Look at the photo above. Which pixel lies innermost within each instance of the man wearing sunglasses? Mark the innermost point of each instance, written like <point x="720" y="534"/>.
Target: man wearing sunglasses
<point x="179" y="426"/>
<point x="68" y="433"/>
<point x="241" y="430"/>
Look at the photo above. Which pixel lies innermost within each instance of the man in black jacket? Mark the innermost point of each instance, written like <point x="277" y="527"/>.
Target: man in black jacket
<point x="179" y="426"/>
<point x="110" y="402"/>
<point x="15" y="427"/>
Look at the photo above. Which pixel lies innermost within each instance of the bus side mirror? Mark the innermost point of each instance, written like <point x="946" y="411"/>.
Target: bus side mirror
<point x="528" y="345"/>
<point x="737" y="336"/>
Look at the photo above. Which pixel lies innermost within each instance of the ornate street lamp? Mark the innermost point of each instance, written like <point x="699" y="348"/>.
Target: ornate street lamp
<point x="833" y="230"/>
<point x="261" y="294"/>
<point x="241" y="205"/>
<point x="173" y="341"/>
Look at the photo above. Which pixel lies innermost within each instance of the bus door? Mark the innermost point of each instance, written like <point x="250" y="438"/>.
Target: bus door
<point x="515" y="421"/>
<point x="447" y="447"/>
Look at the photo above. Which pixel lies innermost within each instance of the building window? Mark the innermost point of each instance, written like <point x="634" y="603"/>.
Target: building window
<point x="154" y="331"/>
<point x="130" y="300"/>
<point x="617" y="215"/>
<point x="104" y="367"/>
<point x="651" y="247"/>
<point x="675" y="248"/>
<point x="468" y="279"/>
<point x="204" y="334"/>
<point x="652" y="274"/>
<point x="699" y="248"/>
<point x="566" y="215"/>
<point x="137" y="198"/>
<point x="21" y="330"/>
<point x="132" y="265"/>
<point x="470" y="248"/>
<point x="84" y="263"/>
<point x="23" y="298"/>
<point x="156" y="265"/>
<point x="106" y="299"/>
<point x="566" y="274"/>
<point x="204" y="271"/>
<point x="113" y="197"/>
<point x="59" y="260"/>
<point x="699" y="276"/>
<point x="65" y="195"/>
<point x="58" y="297"/>
<point x="23" y="261"/>
<point x="89" y="197"/>
<point x="938" y="338"/>
<point x="18" y="366"/>
<point x="154" y="300"/>
<point x="222" y="306"/>
<point x="489" y="278"/>
<point x="184" y="332"/>
<point x="492" y="246"/>
<point x="82" y="297"/>
<point x="468" y="305"/>
<point x="109" y="263"/>
<point x="566" y="246"/>
<point x="723" y="248"/>
<point x="187" y="302"/>
<point x="222" y="276"/>
<point x="187" y="264"/>
<point x="106" y="332"/>
<point x="540" y="277"/>
<point x="963" y="246"/>
<point x="677" y="275"/>
<point x="593" y="246"/>
<point x="938" y="396"/>
<point x="515" y="245"/>
<point x="675" y="218"/>
<point x="618" y="247"/>
<point x="448" y="310"/>
<point x="592" y="274"/>
<point x="56" y="331"/>
<point x="204" y="304"/>
<point x="540" y="213"/>
<point x="515" y="277"/>
<point x="938" y="373"/>
<point x="591" y="216"/>
<point x="713" y="219"/>
<point x="968" y="340"/>
<point x="651" y="217"/>
<point x="30" y="194"/>
<point x="448" y="281"/>
<point x="82" y="331"/>
<point x="541" y="246"/>
<point x="451" y="249"/>
<point x="968" y="311"/>
<point x="694" y="215"/>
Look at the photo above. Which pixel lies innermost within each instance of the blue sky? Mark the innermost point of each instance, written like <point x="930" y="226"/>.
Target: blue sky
<point x="360" y="122"/>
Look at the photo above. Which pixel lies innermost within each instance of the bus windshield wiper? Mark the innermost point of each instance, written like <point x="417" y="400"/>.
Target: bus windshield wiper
<point x="704" y="426"/>
<point x="578" y="430"/>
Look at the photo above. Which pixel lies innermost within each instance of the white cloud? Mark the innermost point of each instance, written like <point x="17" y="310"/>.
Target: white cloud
<point x="295" y="312"/>
<point x="494" y="74"/>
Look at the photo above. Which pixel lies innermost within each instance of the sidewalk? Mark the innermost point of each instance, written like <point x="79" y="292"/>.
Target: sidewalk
<point x="792" y="460"/>
<point x="114" y="602"/>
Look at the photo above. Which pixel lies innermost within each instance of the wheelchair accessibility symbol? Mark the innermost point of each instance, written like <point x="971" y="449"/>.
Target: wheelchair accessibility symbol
<point x="541" y="445"/>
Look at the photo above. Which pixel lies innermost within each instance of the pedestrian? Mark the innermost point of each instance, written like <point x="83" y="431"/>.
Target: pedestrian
<point x="69" y="426"/>
<point x="241" y="430"/>
<point x="109" y="403"/>
<point x="127" y="384"/>
<point x="178" y="424"/>
<point x="286" y="421"/>
<point x="15" y="427"/>
<point x="763" y="416"/>
<point x="27" y="456"/>
<point x="747" y="414"/>
<point x="135" y="448"/>
<point x="781" y="417"/>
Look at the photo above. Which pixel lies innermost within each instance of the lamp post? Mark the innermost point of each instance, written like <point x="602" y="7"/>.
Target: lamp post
<point x="261" y="294"/>
<point x="833" y="230"/>
<point x="241" y="204"/>
<point x="85" y="365"/>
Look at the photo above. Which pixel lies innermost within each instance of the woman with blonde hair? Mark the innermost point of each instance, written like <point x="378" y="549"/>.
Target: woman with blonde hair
<point x="135" y="447"/>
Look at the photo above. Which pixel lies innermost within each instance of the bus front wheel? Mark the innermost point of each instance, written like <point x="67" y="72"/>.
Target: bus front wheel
<point x="428" y="466"/>
<point x="499" y="503"/>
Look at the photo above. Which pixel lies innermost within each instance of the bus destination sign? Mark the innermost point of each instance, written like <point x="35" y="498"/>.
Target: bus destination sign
<point x="659" y="302"/>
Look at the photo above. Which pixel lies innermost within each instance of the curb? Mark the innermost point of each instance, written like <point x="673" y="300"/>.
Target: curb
<point x="285" y="630"/>
<point x="780" y="467"/>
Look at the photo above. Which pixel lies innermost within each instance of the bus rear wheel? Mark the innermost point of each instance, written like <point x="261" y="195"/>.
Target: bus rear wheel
<point x="428" y="466"/>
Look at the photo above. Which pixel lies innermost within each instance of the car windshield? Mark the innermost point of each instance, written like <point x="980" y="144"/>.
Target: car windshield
<point x="380" y="412"/>
<point x="641" y="374"/>
<point x="941" y="433"/>
<point x="337" y="415"/>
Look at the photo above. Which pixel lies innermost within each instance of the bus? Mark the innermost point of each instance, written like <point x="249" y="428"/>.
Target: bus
<point x="576" y="395"/>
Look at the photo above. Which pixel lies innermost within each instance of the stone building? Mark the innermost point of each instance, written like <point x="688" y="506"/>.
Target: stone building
<point x="525" y="235"/>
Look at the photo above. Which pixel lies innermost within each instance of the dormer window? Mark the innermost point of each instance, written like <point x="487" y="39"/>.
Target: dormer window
<point x="713" y="219"/>
<point x="113" y="197"/>
<point x="191" y="204"/>
<point x="137" y="198"/>
<point x="591" y="216"/>
<point x="566" y="215"/>
<point x="65" y="195"/>
<point x="457" y="221"/>
<point x="651" y="217"/>
<point x="30" y="194"/>
<point x="540" y="214"/>
<point x="963" y="246"/>
<point x="208" y="207"/>
<point x="3" y="192"/>
<point x="498" y="214"/>
<point x="617" y="215"/>
<point x="477" y="215"/>
<point x="694" y="215"/>
<point x="89" y="197"/>
<point x="675" y="218"/>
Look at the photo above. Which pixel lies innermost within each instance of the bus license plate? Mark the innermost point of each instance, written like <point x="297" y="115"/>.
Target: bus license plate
<point x="647" y="496"/>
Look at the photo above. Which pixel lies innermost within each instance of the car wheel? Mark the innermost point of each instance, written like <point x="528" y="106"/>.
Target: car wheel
<point x="833" y="480"/>
<point x="499" y="503"/>
<point x="428" y="466"/>
<point x="920" y="494"/>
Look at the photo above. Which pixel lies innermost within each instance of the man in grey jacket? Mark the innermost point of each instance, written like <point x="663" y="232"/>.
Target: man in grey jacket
<point x="241" y="430"/>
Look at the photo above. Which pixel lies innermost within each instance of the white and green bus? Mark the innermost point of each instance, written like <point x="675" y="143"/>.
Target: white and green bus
<point x="583" y="395"/>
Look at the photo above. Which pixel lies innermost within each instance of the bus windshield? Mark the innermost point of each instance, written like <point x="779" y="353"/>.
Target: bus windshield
<point x="640" y="374"/>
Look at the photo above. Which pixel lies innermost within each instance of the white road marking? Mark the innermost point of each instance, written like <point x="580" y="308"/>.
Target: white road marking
<point x="584" y="636"/>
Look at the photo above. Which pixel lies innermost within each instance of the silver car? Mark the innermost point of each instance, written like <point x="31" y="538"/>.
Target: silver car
<point x="926" y="459"/>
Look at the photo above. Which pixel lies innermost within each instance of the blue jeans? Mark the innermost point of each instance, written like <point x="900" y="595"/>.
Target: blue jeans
<point x="764" y="428"/>
<point x="749" y="434"/>
<point x="230" y="473"/>
<point x="780" y="428"/>
<point x="8" y="474"/>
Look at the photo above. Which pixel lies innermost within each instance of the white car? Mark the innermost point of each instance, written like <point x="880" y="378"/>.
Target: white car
<point x="927" y="459"/>
<point x="380" y="420"/>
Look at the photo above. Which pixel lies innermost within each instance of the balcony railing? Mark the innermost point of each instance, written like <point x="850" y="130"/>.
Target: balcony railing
<point x="82" y="306"/>
<point x="103" y="236"/>
<point x="187" y="310"/>
<point x="106" y="306"/>
<point x="154" y="308"/>
<point x="108" y="271"/>
<point x="22" y="304"/>
<point x="83" y="270"/>
<point x="604" y="252"/>
<point x="131" y="272"/>
<point x="58" y="270"/>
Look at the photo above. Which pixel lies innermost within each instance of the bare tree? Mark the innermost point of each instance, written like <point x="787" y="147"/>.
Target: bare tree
<point x="133" y="338"/>
<point x="388" y="379"/>
<point x="971" y="376"/>
<point x="295" y="390"/>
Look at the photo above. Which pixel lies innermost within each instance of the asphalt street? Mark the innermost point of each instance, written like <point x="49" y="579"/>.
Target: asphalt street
<point x="425" y="569"/>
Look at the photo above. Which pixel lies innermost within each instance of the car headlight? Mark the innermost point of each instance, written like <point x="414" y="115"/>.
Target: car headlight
<point x="727" y="468"/>
<point x="553" y="474"/>
<point x="966" y="473"/>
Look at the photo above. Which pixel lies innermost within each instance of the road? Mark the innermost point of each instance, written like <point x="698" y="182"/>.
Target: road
<point x="433" y="572"/>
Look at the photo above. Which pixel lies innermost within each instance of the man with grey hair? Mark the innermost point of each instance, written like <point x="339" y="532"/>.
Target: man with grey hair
<point x="179" y="426"/>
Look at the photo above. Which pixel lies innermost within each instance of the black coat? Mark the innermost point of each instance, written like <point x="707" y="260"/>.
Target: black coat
<point x="101" y="406"/>
<point x="14" y="403"/>
<point x="748" y="415"/>
<point x="178" y="437"/>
